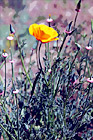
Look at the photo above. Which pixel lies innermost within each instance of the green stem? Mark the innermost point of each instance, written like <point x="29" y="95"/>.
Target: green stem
<point x="5" y="78"/>
<point x="49" y="56"/>
<point x="17" y="117"/>
<point x="39" y="57"/>
<point x="53" y="86"/>
<point x="62" y="45"/>
<point x="25" y="69"/>
<point x="75" y="19"/>
<point x="70" y="70"/>
<point x="7" y="132"/>
<point x="12" y="68"/>
<point x="29" y="67"/>
<point x="86" y="63"/>
<point x="4" y="62"/>
<point x="41" y="65"/>
<point x="23" y="64"/>
<point x="1" y="79"/>
<point x="37" y="54"/>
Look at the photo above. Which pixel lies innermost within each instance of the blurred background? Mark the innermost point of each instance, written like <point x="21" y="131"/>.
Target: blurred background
<point x="25" y="12"/>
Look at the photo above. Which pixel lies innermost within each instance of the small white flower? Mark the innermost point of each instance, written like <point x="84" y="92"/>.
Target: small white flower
<point x="90" y="80"/>
<point x="49" y="20"/>
<point x="5" y="54"/>
<point x="10" y="38"/>
<point x="88" y="47"/>
<point x="15" y="91"/>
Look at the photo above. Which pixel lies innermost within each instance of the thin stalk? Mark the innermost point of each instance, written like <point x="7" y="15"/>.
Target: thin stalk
<point x="7" y="132"/>
<point x="49" y="24"/>
<point x="88" y="91"/>
<point x="46" y="50"/>
<point x="46" y="67"/>
<point x="25" y="69"/>
<point x="23" y="64"/>
<point x="57" y="87"/>
<point x="1" y="79"/>
<point x="29" y="67"/>
<point x="5" y="78"/>
<point x="62" y="45"/>
<point x="86" y="63"/>
<point x="75" y="19"/>
<point x="37" y="54"/>
<point x="39" y="57"/>
<point x="41" y="69"/>
<point x="49" y="56"/>
<point x="34" y="84"/>
<point x="12" y="68"/>
<point x="53" y="86"/>
<point x="17" y="117"/>
<point x="4" y="62"/>
<point x="57" y="46"/>
<point x="70" y="68"/>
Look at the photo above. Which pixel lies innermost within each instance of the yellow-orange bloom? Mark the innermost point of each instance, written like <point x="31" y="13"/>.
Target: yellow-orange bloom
<point x="43" y="33"/>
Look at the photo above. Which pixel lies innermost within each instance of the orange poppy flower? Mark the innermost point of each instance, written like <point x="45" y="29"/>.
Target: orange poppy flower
<point x="43" y="33"/>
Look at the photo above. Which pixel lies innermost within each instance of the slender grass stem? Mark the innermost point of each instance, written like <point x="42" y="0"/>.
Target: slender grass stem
<point x="25" y="69"/>
<point x="46" y="50"/>
<point x="75" y="19"/>
<point x="62" y="45"/>
<point x="37" y="54"/>
<point x="12" y="69"/>
<point x="86" y="63"/>
<point x="71" y="69"/>
<point x="24" y="65"/>
<point x="7" y="132"/>
<point x="40" y="68"/>
<point x="39" y="58"/>
<point x="17" y="116"/>
<point x="29" y="67"/>
<point x="46" y="66"/>
<point x="5" y="78"/>
<point x="49" y="55"/>
<point x="34" y="84"/>
<point x="57" y="46"/>
<point x="1" y="79"/>
<point x="4" y="62"/>
<point x="54" y="82"/>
